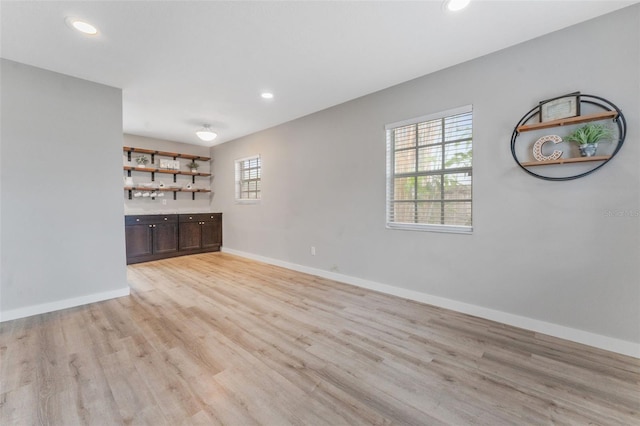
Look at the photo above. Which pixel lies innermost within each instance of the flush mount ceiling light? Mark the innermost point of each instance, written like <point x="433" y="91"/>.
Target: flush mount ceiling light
<point x="455" y="5"/>
<point x="266" y="95"/>
<point x="80" y="25"/>
<point x="206" y="134"/>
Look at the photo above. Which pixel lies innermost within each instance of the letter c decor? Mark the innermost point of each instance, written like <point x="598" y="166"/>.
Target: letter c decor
<point x="537" y="148"/>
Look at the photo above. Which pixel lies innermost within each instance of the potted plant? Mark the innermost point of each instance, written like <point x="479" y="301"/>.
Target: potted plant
<point x="588" y="136"/>
<point x="193" y="166"/>
<point x="142" y="161"/>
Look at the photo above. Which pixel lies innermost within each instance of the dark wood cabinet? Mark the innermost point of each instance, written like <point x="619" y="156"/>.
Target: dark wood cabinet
<point x="200" y="231"/>
<point x="153" y="237"/>
<point x="190" y="235"/>
<point x="139" y="241"/>
<point x="165" y="238"/>
<point x="149" y="237"/>
<point x="212" y="232"/>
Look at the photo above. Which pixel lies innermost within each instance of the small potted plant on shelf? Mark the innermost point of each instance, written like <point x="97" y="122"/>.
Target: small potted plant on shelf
<point x="142" y="161"/>
<point x="588" y="136"/>
<point x="193" y="166"/>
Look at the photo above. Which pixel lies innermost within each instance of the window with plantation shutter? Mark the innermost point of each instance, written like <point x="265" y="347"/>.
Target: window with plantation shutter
<point x="248" y="179"/>
<point x="429" y="173"/>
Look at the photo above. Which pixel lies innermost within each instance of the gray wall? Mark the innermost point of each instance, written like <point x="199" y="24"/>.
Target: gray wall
<point x="183" y="202"/>
<point x="550" y="251"/>
<point x="62" y="231"/>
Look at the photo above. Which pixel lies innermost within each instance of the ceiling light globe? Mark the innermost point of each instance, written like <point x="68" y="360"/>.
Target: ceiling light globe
<point x="267" y="95"/>
<point x="206" y="134"/>
<point x="456" y="5"/>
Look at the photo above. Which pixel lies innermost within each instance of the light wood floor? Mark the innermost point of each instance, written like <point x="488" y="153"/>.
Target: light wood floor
<point x="216" y="339"/>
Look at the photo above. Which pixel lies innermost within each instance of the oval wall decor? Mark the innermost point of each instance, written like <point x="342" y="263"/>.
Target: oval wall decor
<point x="590" y="108"/>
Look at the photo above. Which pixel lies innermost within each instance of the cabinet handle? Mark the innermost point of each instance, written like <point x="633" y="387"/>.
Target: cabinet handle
<point x="150" y="226"/>
<point x="190" y="217"/>
<point x="165" y="218"/>
<point x="137" y="220"/>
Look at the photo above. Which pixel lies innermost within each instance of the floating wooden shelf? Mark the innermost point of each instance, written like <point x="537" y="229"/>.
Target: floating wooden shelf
<point x="567" y="160"/>
<point x="144" y="188"/>
<point x="164" y="153"/>
<point x="567" y="121"/>
<point x="167" y="171"/>
<point x="153" y="170"/>
<point x="174" y="190"/>
<point x="191" y="190"/>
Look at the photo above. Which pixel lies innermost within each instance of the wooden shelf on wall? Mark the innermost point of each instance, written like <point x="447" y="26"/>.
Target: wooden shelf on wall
<point x="147" y="189"/>
<point x="153" y="170"/>
<point x="164" y="153"/>
<point x="167" y="171"/>
<point x="175" y="191"/>
<point x="567" y="121"/>
<point x="567" y="160"/>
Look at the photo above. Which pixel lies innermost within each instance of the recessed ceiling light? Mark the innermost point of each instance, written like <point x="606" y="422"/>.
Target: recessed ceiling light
<point x="82" y="26"/>
<point x="456" y="5"/>
<point x="266" y="95"/>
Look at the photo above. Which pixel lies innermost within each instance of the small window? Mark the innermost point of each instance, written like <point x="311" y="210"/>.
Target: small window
<point x="248" y="179"/>
<point x="429" y="172"/>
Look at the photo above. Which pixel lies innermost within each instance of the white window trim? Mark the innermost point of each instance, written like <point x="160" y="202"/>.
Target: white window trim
<point x="434" y="116"/>
<point x="236" y="181"/>
<point x="468" y="230"/>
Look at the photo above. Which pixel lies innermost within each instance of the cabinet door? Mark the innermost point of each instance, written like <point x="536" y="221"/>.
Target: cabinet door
<point x="190" y="235"/>
<point x="212" y="232"/>
<point x="165" y="237"/>
<point x="139" y="240"/>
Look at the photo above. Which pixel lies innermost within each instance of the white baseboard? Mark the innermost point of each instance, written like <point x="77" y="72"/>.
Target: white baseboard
<point x="62" y="304"/>
<point x="572" y="334"/>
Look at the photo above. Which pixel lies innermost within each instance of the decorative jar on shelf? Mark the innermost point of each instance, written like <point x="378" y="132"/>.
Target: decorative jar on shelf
<point x="588" y="149"/>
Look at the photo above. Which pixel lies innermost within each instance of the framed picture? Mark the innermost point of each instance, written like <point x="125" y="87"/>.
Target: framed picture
<point x="560" y="107"/>
<point x="169" y="164"/>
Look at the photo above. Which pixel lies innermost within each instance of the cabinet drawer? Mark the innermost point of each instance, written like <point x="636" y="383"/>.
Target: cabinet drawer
<point x="197" y="217"/>
<point x="150" y="219"/>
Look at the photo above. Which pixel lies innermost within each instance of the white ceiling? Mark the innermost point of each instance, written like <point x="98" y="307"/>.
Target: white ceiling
<point x="185" y="63"/>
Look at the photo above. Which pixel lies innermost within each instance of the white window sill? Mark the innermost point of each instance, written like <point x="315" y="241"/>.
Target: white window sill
<point x="450" y="229"/>
<point x="247" y="201"/>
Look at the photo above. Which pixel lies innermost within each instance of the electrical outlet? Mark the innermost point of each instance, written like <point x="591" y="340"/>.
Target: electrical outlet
<point x="313" y="250"/>
<point x="164" y="202"/>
